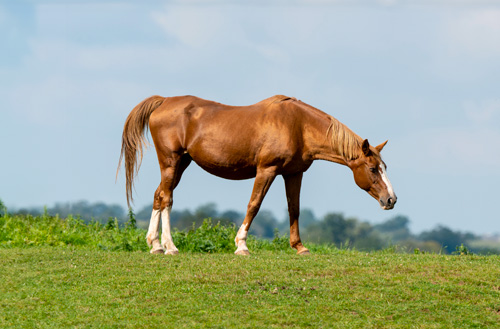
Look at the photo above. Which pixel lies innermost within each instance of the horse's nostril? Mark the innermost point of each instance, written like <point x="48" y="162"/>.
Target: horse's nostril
<point x="389" y="201"/>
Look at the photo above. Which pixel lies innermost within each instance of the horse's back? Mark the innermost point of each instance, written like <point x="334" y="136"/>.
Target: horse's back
<point x="191" y="113"/>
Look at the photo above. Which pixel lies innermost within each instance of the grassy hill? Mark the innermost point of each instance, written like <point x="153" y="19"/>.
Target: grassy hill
<point x="82" y="276"/>
<point x="51" y="287"/>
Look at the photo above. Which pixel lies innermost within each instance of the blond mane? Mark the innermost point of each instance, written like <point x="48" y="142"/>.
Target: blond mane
<point x="343" y="140"/>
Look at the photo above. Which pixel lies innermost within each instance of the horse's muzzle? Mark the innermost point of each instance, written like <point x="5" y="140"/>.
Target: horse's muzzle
<point x="388" y="203"/>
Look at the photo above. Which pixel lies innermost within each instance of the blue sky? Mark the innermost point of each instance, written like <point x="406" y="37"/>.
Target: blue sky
<point x="424" y="75"/>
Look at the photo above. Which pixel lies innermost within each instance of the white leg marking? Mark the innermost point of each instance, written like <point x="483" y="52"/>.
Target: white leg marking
<point x="166" y="237"/>
<point x="241" y="239"/>
<point x="153" y="237"/>
<point x="385" y="179"/>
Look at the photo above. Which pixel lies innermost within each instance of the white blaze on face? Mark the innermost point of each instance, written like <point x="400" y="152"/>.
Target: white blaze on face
<point x="386" y="181"/>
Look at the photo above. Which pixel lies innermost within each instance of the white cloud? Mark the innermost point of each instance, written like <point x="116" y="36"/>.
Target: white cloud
<point x="451" y="151"/>
<point x="387" y="2"/>
<point x="44" y="103"/>
<point x="123" y="57"/>
<point x="210" y="34"/>
<point x="193" y="26"/>
<point x="472" y="148"/>
<point x="483" y="112"/>
<point x="3" y="15"/>
<point x="465" y="46"/>
<point x="474" y="33"/>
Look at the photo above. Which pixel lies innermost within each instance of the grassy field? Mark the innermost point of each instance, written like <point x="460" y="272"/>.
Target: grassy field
<point x="64" y="273"/>
<point x="53" y="287"/>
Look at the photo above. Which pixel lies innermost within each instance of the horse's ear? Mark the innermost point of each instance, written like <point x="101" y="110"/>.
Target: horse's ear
<point x="366" y="148"/>
<point x="381" y="146"/>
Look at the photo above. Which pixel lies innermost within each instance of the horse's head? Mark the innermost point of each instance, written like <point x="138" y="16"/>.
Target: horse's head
<point x="370" y="174"/>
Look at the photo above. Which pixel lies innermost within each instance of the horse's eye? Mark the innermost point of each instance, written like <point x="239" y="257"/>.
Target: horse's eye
<point x="373" y="170"/>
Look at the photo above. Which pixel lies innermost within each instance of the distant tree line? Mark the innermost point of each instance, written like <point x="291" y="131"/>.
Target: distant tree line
<point x="87" y="211"/>
<point x="332" y="228"/>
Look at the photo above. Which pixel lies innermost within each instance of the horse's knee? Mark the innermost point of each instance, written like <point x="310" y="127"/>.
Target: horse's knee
<point x="162" y="200"/>
<point x="158" y="198"/>
<point x="166" y="203"/>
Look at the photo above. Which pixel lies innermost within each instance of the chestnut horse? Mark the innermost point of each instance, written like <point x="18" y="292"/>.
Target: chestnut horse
<point x="277" y="136"/>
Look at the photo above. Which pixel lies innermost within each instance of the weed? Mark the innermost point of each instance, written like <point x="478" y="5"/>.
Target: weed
<point x="3" y="209"/>
<point x="462" y="250"/>
<point x="132" y="223"/>
<point x="206" y="238"/>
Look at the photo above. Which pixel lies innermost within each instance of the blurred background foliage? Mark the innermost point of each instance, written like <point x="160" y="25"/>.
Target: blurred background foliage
<point x="332" y="228"/>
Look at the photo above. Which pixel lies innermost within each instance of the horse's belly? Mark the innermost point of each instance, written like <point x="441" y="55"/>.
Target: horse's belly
<point x="230" y="158"/>
<point x="234" y="149"/>
<point x="235" y="173"/>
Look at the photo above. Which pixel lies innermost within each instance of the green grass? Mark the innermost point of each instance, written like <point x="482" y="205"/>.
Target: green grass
<point x="48" y="287"/>
<point x="64" y="281"/>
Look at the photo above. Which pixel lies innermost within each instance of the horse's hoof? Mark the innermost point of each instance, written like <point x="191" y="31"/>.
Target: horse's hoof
<point x="156" y="251"/>
<point x="171" y="252"/>
<point x="303" y="252"/>
<point x="242" y="252"/>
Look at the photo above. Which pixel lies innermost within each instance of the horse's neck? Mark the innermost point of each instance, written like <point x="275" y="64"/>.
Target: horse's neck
<point x="321" y="144"/>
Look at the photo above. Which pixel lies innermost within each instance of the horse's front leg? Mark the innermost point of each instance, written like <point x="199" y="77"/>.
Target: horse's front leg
<point x="292" y="186"/>
<point x="263" y="181"/>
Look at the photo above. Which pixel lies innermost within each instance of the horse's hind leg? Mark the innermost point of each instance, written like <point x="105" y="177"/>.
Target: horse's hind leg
<point x="171" y="172"/>
<point x="159" y="203"/>
<point x="153" y="237"/>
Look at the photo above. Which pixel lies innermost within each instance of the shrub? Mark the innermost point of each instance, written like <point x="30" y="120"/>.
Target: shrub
<point x="206" y="238"/>
<point x="45" y="230"/>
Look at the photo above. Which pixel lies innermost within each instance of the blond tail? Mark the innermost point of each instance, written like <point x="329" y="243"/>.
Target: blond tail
<point x="133" y="139"/>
